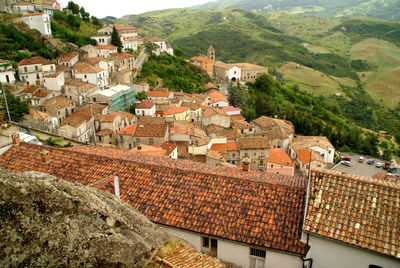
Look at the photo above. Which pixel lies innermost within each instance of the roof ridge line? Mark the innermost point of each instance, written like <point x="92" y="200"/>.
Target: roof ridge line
<point x="359" y="178"/>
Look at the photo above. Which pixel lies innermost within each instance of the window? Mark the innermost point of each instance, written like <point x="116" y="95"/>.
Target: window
<point x="36" y="68"/>
<point x="25" y="69"/>
<point x="233" y="155"/>
<point x="374" y="266"/>
<point x="257" y="258"/>
<point x="137" y="140"/>
<point x="37" y="76"/>
<point x="210" y="246"/>
<point x="151" y="141"/>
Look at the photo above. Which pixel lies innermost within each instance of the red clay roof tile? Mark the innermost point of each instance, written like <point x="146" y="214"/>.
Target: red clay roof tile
<point x="213" y="201"/>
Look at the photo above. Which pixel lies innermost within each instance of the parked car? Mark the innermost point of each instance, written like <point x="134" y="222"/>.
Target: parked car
<point x="361" y="159"/>
<point x="370" y="161"/>
<point x="392" y="169"/>
<point x="378" y="164"/>
<point x="386" y="165"/>
<point x="346" y="158"/>
<point x="346" y="163"/>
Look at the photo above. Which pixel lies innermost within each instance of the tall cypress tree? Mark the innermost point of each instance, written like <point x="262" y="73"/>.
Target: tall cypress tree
<point x="116" y="40"/>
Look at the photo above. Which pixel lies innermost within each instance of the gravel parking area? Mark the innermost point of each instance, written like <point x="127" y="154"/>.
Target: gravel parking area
<point x="361" y="169"/>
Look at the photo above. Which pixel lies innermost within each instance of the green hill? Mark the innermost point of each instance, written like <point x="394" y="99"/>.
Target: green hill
<point x="385" y="9"/>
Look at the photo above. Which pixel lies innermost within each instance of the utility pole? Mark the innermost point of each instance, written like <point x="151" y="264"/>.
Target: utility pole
<point x="5" y="100"/>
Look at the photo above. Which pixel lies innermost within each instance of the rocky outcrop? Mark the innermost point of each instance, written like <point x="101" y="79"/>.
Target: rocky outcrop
<point x="48" y="222"/>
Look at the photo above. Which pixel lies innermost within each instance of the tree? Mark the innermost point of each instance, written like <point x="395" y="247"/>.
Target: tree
<point x="116" y="40"/>
<point x="16" y="107"/>
<point x="141" y="96"/>
<point x="96" y="22"/>
<point x="73" y="7"/>
<point x="73" y="21"/>
<point x="178" y="52"/>
<point x="150" y="47"/>
<point x="85" y="15"/>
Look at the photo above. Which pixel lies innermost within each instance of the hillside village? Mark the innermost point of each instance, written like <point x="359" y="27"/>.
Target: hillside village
<point x="253" y="194"/>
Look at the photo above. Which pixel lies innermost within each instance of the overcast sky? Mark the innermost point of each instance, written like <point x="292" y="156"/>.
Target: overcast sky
<point x="119" y="8"/>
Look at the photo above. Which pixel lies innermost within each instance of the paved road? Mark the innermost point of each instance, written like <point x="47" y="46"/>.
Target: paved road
<point x="361" y="169"/>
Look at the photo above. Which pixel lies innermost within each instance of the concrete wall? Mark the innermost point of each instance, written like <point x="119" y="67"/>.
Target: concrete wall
<point x="7" y="74"/>
<point x="217" y="119"/>
<point x="331" y="254"/>
<point x="280" y="169"/>
<point x="39" y="22"/>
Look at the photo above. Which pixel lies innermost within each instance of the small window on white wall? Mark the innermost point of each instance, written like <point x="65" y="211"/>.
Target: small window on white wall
<point x="257" y="258"/>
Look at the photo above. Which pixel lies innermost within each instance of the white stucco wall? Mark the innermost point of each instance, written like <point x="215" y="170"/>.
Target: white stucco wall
<point x="54" y="83"/>
<point x="234" y="72"/>
<point x="239" y="254"/>
<point x="39" y="22"/>
<point x="11" y="77"/>
<point x="220" y="104"/>
<point x="331" y="254"/>
<point x="147" y="112"/>
<point x="328" y="157"/>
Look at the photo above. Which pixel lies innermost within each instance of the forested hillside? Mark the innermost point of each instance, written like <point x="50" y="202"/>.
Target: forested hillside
<point x="385" y="9"/>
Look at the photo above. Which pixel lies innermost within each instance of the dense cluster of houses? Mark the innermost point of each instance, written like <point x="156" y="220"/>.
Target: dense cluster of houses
<point x="29" y="6"/>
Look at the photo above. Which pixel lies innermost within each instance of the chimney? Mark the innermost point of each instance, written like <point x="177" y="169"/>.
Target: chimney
<point x="45" y="157"/>
<point x="15" y="138"/>
<point x="246" y="164"/>
<point x="116" y="187"/>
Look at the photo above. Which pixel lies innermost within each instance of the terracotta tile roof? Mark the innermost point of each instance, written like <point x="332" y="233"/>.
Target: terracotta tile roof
<point x="145" y="105"/>
<point x="151" y="120"/>
<point x="216" y="96"/>
<point x="306" y="142"/>
<point x="85" y="68"/>
<point x="359" y="211"/>
<point x="150" y="130"/>
<point x="41" y="93"/>
<point x="38" y="115"/>
<point x="124" y="115"/>
<point x="232" y="146"/>
<point x="241" y="124"/>
<point x="22" y="4"/>
<point x="180" y="129"/>
<point x="96" y="60"/>
<point x="58" y="103"/>
<point x="251" y="208"/>
<point x="122" y="56"/>
<point x="28" y="89"/>
<point x="80" y="85"/>
<point x="274" y="128"/>
<point x="304" y="156"/>
<point x="191" y="105"/>
<point x="148" y="150"/>
<point x="213" y="154"/>
<point x="254" y="143"/>
<point x="128" y="130"/>
<point x="123" y="27"/>
<point x="211" y="111"/>
<point x="220" y="147"/>
<point x="34" y="60"/>
<point x="83" y="115"/>
<point x="156" y="93"/>
<point x="279" y="156"/>
<point x="67" y="57"/>
<point x="231" y="109"/>
<point x="175" y="110"/>
<point x="386" y="177"/>
<point x="109" y="118"/>
<point x="33" y="14"/>
<point x="168" y="147"/>
<point x="54" y="75"/>
<point x="200" y="58"/>
<point x="108" y="47"/>
<point x="236" y="117"/>
<point x="244" y="66"/>
<point x="210" y="86"/>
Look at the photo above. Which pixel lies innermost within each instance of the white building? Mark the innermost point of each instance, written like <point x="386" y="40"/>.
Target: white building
<point x="68" y="59"/>
<point x="105" y="51"/>
<point x="145" y="108"/>
<point x="32" y="70"/>
<point x="102" y="40"/>
<point x="318" y="144"/>
<point x="7" y="72"/>
<point x="22" y="7"/>
<point x="54" y="81"/>
<point x="217" y="99"/>
<point x="352" y="221"/>
<point x="159" y="95"/>
<point x="91" y="74"/>
<point x="38" y="21"/>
